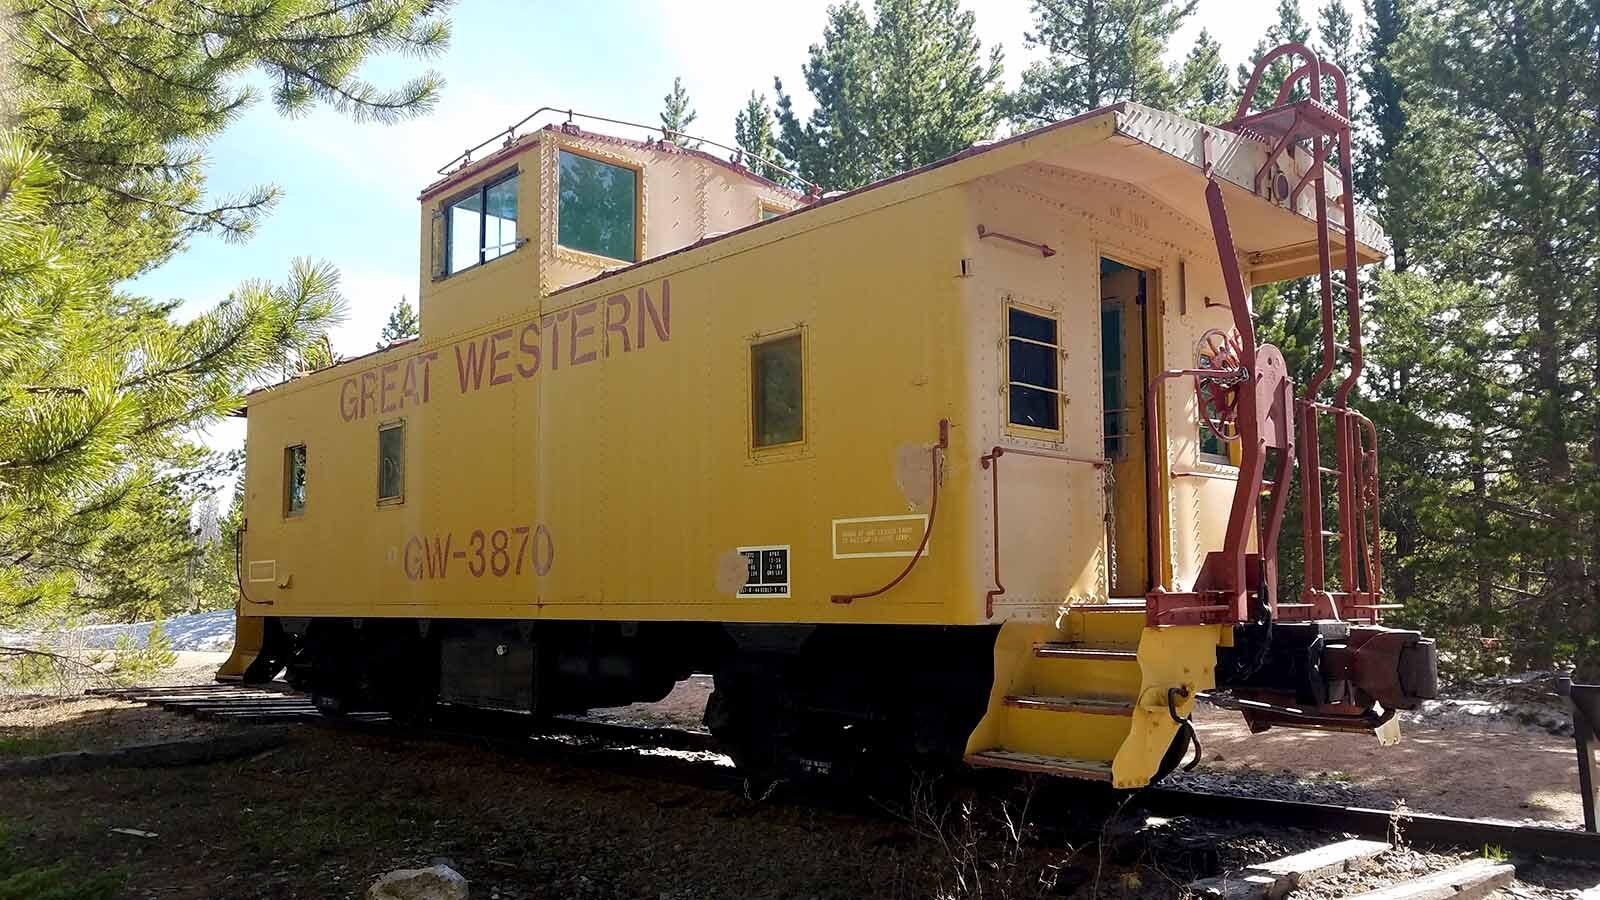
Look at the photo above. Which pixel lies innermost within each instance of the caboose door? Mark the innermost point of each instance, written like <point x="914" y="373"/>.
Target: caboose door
<point x="1124" y="362"/>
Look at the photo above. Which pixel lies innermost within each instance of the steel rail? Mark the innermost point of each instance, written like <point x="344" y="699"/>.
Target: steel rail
<point x="1417" y="827"/>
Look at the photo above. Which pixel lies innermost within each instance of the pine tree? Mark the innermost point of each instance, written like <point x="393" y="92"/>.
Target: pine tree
<point x="1203" y="91"/>
<point x="752" y="133"/>
<point x="1336" y="38"/>
<point x="125" y="96"/>
<point x="110" y="109"/>
<point x="1290" y="27"/>
<point x="95" y="409"/>
<point x="902" y="90"/>
<point x="402" y="324"/>
<point x="1098" y="52"/>
<point x="677" y="115"/>
<point x="1502" y="97"/>
<point x="1379" y="180"/>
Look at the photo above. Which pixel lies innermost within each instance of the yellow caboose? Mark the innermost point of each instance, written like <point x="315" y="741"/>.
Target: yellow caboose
<point x="885" y="462"/>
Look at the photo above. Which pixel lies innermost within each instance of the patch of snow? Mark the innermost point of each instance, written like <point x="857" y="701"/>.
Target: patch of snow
<point x="208" y="631"/>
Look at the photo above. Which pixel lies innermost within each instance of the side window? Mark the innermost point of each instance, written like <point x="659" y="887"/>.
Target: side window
<point x="1033" y="363"/>
<point x="294" y="480"/>
<point x="1213" y="449"/>
<point x="599" y="208"/>
<point x="481" y="225"/>
<point x="1112" y="383"/>
<point x="777" y="392"/>
<point x="771" y="212"/>
<point x="392" y="463"/>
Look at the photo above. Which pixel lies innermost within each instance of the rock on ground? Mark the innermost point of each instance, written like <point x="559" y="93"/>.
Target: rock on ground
<point x="432" y="883"/>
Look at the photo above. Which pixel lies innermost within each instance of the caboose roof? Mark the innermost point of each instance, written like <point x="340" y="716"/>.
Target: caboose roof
<point x="470" y="170"/>
<point x="1159" y="152"/>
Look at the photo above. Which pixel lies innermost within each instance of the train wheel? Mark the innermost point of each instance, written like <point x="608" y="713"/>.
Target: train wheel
<point x="734" y="720"/>
<point x="329" y="704"/>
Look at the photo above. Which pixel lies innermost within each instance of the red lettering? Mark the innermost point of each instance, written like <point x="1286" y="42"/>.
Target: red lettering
<point x="530" y="350"/>
<point x="408" y="386"/>
<point x="553" y="323"/>
<point x="385" y="385"/>
<point x="369" y="390"/>
<point x="437" y="556"/>
<point x="496" y="354"/>
<point x="575" y="332"/>
<point x="349" y="408"/>
<point x="620" y="325"/>
<point x="472" y="366"/>
<point x="427" y="371"/>
<point x="660" y="320"/>
<point x="541" y="566"/>
<point x="477" y="566"/>
<point x="413" y="558"/>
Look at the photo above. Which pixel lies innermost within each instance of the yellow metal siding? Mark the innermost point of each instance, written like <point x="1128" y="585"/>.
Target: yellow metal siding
<point x="636" y="460"/>
<point x="613" y="424"/>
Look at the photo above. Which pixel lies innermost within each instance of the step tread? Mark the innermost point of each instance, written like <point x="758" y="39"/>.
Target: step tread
<point x="1090" y="705"/>
<point x="1111" y="605"/>
<point x="1091" y="769"/>
<point x="1063" y="649"/>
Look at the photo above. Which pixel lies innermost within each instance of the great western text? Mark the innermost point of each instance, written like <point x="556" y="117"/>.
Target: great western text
<point x="582" y="334"/>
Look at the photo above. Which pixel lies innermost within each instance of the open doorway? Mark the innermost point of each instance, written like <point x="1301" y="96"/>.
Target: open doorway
<point x="1124" y="374"/>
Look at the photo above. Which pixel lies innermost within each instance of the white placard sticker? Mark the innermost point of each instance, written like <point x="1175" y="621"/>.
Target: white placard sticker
<point x="766" y="572"/>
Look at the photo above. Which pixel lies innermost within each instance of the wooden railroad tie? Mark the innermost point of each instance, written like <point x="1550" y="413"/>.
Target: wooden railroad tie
<point x="1274" y="880"/>
<point x="1469" y="881"/>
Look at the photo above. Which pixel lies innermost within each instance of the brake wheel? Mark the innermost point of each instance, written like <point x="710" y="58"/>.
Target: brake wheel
<point x="1218" y="395"/>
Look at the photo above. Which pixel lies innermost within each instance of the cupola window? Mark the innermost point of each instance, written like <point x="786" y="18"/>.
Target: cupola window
<point x="481" y="225"/>
<point x="599" y="208"/>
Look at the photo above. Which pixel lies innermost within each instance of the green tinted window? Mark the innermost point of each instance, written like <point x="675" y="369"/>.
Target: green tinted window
<point x="392" y="463"/>
<point x="1211" y="447"/>
<point x="1113" y="401"/>
<point x="778" y="373"/>
<point x="294" y="480"/>
<point x="599" y="207"/>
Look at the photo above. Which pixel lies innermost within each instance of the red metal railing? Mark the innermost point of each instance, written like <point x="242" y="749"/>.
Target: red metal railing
<point x="1267" y="414"/>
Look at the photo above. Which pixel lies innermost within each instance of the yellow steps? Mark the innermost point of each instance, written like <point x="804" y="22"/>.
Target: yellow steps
<point x="1072" y="704"/>
<point x="1062" y="650"/>
<point x="1086" y="698"/>
<point x="1092" y="770"/>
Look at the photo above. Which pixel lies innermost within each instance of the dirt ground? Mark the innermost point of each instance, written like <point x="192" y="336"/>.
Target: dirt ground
<point x="1459" y="770"/>
<point x="326" y="814"/>
<point x="323" y="816"/>
<point x="35" y="725"/>
<point x="1456" y="771"/>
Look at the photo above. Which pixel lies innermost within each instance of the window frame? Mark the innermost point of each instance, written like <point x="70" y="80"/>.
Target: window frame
<point x="481" y="191"/>
<point x="1054" y="435"/>
<point x="766" y="210"/>
<point x="289" y="511"/>
<point x="400" y="498"/>
<point x="753" y="391"/>
<point x="1223" y="457"/>
<point x="638" y="207"/>
<point x="1124" y="412"/>
<point x="1228" y="456"/>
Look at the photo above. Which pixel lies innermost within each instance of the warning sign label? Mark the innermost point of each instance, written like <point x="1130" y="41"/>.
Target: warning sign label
<point x="766" y="571"/>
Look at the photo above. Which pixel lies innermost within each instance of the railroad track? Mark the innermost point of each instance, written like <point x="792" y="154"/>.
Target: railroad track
<point x="615" y="744"/>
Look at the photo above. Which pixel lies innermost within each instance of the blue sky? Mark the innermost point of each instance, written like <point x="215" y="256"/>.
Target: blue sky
<point x="349" y="191"/>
